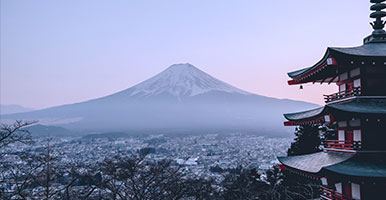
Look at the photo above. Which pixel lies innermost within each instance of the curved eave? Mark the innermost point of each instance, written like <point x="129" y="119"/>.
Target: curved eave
<point x="302" y="72"/>
<point x="320" y="72"/>
<point x="375" y="50"/>
<point x="360" y="105"/>
<point x="362" y="165"/>
<point x="326" y="67"/>
<point x="371" y="165"/>
<point x="315" y="162"/>
<point x="305" y="115"/>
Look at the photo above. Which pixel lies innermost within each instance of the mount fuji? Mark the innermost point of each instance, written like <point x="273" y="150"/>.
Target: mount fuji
<point x="181" y="98"/>
<point x="181" y="80"/>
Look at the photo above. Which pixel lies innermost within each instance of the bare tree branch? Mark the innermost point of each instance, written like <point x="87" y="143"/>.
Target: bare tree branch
<point x="11" y="133"/>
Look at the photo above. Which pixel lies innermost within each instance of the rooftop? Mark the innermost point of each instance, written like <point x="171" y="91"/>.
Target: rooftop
<point x="360" y="164"/>
<point x="360" y="105"/>
<point x="313" y="163"/>
<point x="374" y="46"/>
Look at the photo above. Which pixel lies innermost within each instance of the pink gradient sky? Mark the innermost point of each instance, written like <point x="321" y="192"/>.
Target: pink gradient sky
<point x="55" y="53"/>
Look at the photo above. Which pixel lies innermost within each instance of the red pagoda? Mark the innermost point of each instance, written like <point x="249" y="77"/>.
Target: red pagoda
<point x="352" y="164"/>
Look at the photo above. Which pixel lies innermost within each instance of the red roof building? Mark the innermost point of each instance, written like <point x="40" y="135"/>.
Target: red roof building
<point x="352" y="164"/>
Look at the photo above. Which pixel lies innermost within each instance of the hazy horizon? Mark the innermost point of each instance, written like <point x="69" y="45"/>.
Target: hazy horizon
<point x="55" y="53"/>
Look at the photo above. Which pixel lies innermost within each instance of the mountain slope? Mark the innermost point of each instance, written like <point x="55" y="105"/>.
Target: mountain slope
<point x="181" y="80"/>
<point x="10" y="109"/>
<point x="181" y="98"/>
<point x="39" y="130"/>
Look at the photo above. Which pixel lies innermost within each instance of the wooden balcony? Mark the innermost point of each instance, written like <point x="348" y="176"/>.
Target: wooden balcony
<point x="342" y="144"/>
<point x="356" y="91"/>
<point x="329" y="194"/>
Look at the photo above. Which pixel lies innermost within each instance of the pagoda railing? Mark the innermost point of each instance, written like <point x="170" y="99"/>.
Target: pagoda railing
<point x="342" y="144"/>
<point x="356" y="91"/>
<point x="329" y="194"/>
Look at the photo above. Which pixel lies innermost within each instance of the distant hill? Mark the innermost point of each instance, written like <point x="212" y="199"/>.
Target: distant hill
<point x="112" y="135"/>
<point x="43" y="131"/>
<point x="10" y="109"/>
<point x="181" y="99"/>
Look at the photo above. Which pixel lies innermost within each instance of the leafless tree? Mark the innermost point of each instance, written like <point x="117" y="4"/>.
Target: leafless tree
<point x="134" y="177"/>
<point x="34" y="175"/>
<point x="11" y="133"/>
<point x="11" y="174"/>
<point x="20" y="175"/>
<point x="137" y="178"/>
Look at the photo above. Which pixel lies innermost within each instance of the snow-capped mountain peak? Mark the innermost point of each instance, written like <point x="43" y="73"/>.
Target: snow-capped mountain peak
<point x="182" y="80"/>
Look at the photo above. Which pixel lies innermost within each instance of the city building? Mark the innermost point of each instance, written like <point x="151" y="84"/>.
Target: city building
<point x="352" y="164"/>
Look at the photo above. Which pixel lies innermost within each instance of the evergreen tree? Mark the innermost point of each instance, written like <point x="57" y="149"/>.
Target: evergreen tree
<point x="307" y="141"/>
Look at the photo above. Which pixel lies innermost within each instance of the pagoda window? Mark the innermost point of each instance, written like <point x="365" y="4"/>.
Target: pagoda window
<point x="357" y="135"/>
<point x="343" y="76"/>
<point x="341" y="136"/>
<point x="355" y="72"/>
<point x="338" y="187"/>
<point x="324" y="181"/>
<point x="342" y="88"/>
<point x="327" y="118"/>
<point x="355" y="191"/>
<point x="357" y="83"/>
<point x="342" y="124"/>
<point x="355" y="123"/>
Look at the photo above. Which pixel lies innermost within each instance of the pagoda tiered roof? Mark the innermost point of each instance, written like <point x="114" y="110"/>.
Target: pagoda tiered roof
<point x="314" y="163"/>
<point x="326" y="70"/>
<point x="362" y="164"/>
<point x="358" y="105"/>
<point x="366" y="50"/>
<point x="353" y="153"/>
<point x="371" y="165"/>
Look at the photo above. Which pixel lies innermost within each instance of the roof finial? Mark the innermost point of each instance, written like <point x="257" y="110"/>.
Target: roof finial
<point x="379" y="34"/>
<point x="378" y="24"/>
